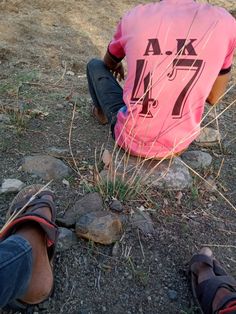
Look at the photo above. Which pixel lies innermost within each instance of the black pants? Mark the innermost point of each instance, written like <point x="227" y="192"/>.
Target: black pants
<point x="104" y="89"/>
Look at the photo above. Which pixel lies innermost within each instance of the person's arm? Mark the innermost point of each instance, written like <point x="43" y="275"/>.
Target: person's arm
<point x="218" y="88"/>
<point x="115" y="53"/>
<point x="115" y="66"/>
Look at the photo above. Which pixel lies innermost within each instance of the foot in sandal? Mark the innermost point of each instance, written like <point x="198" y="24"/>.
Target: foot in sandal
<point x="28" y="243"/>
<point x="213" y="289"/>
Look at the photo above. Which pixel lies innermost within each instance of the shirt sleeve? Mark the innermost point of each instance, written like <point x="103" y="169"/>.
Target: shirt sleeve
<point x="115" y="48"/>
<point x="230" y="53"/>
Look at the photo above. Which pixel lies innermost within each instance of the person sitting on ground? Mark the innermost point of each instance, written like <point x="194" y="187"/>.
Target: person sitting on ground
<point x="27" y="247"/>
<point x="213" y="289"/>
<point x="179" y="54"/>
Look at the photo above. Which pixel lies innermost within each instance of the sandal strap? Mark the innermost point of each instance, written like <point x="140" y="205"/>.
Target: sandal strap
<point x="218" y="269"/>
<point x="200" y="258"/>
<point x="37" y="200"/>
<point x="207" y="289"/>
<point x="36" y="204"/>
<point x="50" y="229"/>
<point x="223" y="303"/>
<point x="49" y="226"/>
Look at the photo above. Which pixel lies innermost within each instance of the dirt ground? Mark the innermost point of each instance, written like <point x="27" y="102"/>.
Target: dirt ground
<point x="40" y="41"/>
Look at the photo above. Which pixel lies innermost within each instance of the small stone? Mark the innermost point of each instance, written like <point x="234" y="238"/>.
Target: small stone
<point x="58" y="151"/>
<point x="115" y="249"/>
<point x="143" y="222"/>
<point x="101" y="227"/>
<point x="208" y="137"/>
<point x="116" y="206"/>
<point x="66" y="239"/>
<point x="45" y="167"/>
<point x="11" y="185"/>
<point x="65" y="182"/>
<point x="71" y="73"/>
<point x="172" y="294"/>
<point x="91" y="202"/>
<point x="4" y="118"/>
<point x="59" y="106"/>
<point x="197" y="159"/>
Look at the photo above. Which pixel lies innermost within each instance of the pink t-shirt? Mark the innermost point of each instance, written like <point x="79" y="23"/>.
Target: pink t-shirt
<point x="175" y="49"/>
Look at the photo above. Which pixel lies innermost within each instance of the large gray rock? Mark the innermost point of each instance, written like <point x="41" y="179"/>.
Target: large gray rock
<point x="91" y="202"/>
<point x="101" y="227"/>
<point x="45" y="167"/>
<point x="11" y="185"/>
<point x="208" y="137"/>
<point x="172" y="175"/>
<point x="197" y="159"/>
<point x="66" y="239"/>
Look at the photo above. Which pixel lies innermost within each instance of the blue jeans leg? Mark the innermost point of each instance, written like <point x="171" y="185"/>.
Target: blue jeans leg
<point x="15" y="268"/>
<point x="104" y="89"/>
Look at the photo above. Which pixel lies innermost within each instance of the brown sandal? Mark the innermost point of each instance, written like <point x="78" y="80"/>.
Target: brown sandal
<point x="42" y="273"/>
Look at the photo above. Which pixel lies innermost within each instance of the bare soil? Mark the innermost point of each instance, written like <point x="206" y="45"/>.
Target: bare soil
<point x="40" y="41"/>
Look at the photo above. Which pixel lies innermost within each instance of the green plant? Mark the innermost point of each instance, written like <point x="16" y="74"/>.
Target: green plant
<point x="118" y="188"/>
<point x="91" y="247"/>
<point x="194" y="192"/>
<point x="19" y="119"/>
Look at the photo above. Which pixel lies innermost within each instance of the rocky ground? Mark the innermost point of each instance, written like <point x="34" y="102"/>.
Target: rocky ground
<point x="44" y="48"/>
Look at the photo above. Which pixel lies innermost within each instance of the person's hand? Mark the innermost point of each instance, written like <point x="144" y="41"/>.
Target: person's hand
<point x="119" y="72"/>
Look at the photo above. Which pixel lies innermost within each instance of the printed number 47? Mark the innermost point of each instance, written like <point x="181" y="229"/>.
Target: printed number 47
<point x="146" y="99"/>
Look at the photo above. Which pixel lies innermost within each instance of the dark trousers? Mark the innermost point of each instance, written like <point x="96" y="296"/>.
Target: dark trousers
<point x="104" y="89"/>
<point x="15" y="269"/>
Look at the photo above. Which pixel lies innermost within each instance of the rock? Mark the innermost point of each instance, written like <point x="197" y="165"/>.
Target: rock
<point x="66" y="239"/>
<point x="116" y="206"/>
<point x="210" y="185"/>
<point x="66" y="183"/>
<point x="197" y="159"/>
<point x="174" y="176"/>
<point x="45" y="167"/>
<point x="71" y="73"/>
<point x="102" y="227"/>
<point x="116" y="249"/>
<point x="172" y="294"/>
<point x="58" y="151"/>
<point x="91" y="202"/>
<point x="59" y="106"/>
<point x="208" y="137"/>
<point x="143" y="222"/>
<point x="11" y="185"/>
<point x="4" y="118"/>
